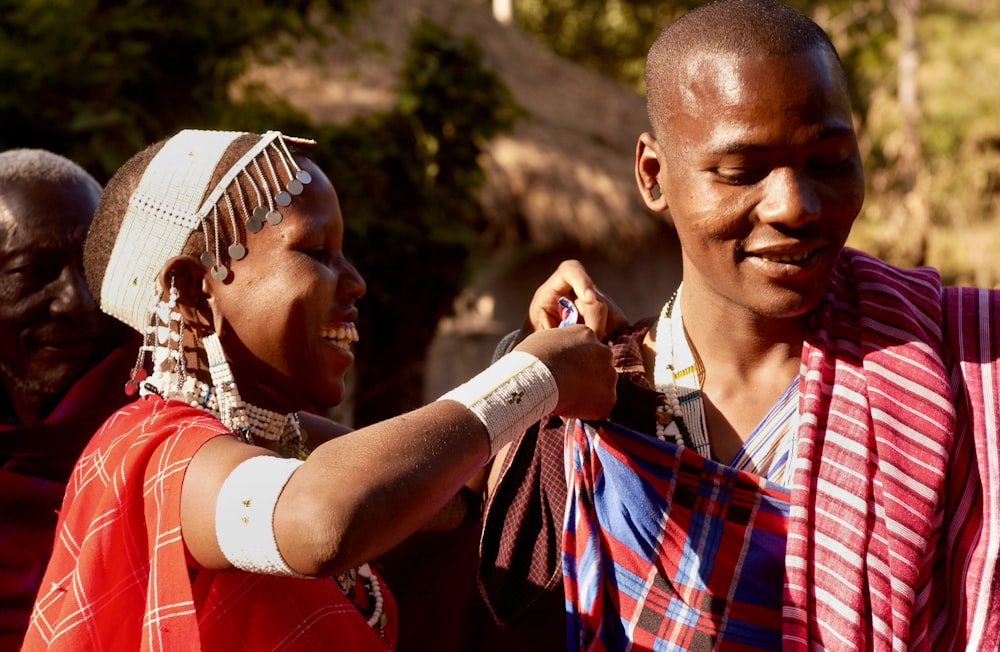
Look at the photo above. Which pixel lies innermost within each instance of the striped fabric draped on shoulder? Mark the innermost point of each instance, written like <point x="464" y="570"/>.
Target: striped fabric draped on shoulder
<point x="893" y="532"/>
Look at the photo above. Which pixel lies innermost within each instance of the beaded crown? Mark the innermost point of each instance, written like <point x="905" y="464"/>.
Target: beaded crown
<point x="173" y="200"/>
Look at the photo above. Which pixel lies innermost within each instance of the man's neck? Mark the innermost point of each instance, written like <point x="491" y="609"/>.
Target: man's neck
<point x="745" y="363"/>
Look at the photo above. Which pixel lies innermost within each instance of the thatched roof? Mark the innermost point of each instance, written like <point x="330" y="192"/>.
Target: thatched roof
<point x="565" y="173"/>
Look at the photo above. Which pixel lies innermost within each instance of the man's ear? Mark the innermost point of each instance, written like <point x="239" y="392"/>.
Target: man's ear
<point x="186" y="274"/>
<point x="647" y="173"/>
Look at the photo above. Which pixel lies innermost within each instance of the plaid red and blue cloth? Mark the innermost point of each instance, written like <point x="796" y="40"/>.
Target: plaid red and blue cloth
<point x="666" y="550"/>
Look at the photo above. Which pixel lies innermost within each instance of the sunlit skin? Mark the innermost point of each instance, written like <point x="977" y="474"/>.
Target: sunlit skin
<point x="761" y="173"/>
<point x="51" y="329"/>
<point x="279" y="312"/>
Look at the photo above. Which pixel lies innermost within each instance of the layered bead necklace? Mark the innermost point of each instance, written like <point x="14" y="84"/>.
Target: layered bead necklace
<point x="253" y="424"/>
<point x="164" y="342"/>
<point x="681" y="419"/>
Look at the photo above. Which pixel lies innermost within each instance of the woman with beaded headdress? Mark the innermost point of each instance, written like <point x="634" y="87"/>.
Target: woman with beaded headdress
<point x="200" y="516"/>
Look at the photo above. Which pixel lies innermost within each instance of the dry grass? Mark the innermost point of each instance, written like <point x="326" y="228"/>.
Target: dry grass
<point x="966" y="256"/>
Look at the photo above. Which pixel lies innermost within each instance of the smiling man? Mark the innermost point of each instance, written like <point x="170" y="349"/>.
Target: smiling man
<point x="61" y="363"/>
<point x="804" y="449"/>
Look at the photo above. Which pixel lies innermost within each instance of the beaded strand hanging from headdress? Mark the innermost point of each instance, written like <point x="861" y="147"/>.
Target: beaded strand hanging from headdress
<point x="258" y="171"/>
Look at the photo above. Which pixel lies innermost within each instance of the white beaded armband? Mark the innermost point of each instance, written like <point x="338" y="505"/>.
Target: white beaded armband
<point x="511" y="394"/>
<point x="244" y="515"/>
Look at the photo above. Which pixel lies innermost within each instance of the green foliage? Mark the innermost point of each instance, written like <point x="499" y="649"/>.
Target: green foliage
<point x="957" y="184"/>
<point x="609" y="37"/>
<point x="408" y="182"/>
<point x="98" y="81"/>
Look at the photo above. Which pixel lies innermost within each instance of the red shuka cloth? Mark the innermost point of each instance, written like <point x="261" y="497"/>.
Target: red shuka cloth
<point x="119" y="578"/>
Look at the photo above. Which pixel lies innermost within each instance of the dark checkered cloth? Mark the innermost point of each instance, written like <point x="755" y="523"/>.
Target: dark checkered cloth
<point x="521" y="556"/>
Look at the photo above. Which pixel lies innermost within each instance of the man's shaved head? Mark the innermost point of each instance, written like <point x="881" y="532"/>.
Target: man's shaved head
<point x="751" y="28"/>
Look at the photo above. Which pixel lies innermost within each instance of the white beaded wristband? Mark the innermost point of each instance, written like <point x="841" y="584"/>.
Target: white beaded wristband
<point x="509" y="396"/>
<point x="244" y="514"/>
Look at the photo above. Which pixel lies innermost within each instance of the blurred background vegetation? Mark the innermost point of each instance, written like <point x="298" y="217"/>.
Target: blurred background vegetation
<point x="97" y="80"/>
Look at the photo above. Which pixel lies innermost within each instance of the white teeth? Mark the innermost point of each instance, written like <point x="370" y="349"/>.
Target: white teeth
<point x="341" y="336"/>
<point x="786" y="259"/>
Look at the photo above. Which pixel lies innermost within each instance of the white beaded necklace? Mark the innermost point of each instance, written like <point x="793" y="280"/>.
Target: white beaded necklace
<point x="222" y="399"/>
<point x="675" y="375"/>
<point x="667" y="415"/>
<point x="348" y="579"/>
<point x="247" y="420"/>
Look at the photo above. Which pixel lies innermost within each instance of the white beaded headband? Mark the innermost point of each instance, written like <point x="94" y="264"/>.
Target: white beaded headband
<point x="167" y="207"/>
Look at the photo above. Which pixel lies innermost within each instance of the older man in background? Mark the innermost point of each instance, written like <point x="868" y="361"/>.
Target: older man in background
<point x="62" y="363"/>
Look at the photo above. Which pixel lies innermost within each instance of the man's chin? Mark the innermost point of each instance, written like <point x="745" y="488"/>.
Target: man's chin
<point x="52" y="382"/>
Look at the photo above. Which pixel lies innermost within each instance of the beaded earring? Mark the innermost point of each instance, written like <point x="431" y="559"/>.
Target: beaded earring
<point x="163" y="340"/>
<point x="245" y="419"/>
<point x="232" y="411"/>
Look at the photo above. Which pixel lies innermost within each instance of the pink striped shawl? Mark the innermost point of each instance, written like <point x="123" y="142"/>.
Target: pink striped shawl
<point x="894" y="528"/>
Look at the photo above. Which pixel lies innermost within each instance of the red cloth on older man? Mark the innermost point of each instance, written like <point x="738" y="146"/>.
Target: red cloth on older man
<point x="35" y="462"/>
